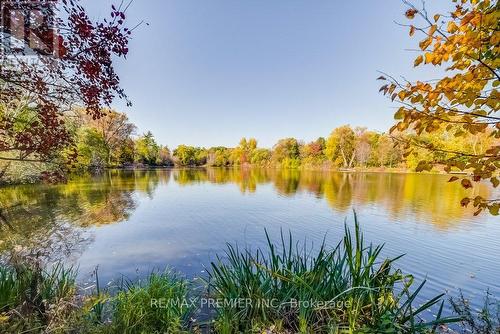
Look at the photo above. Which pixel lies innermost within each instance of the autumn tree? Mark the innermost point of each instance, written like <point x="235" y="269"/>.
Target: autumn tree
<point x="286" y="152"/>
<point x="218" y="156"/>
<point x="185" y="155"/>
<point x="340" y="146"/>
<point x="261" y="157"/>
<point x="164" y="158"/>
<point x="243" y="152"/>
<point x="387" y="152"/>
<point x="313" y="152"/>
<point x="363" y="145"/>
<point x="70" y="62"/>
<point x="126" y="152"/>
<point x="114" y="127"/>
<point x="465" y="100"/>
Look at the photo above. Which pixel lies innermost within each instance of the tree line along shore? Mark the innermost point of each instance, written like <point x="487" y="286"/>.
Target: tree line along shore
<point x="112" y="142"/>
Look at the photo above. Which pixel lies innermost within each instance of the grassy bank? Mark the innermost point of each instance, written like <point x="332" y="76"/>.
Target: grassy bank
<point x="282" y="288"/>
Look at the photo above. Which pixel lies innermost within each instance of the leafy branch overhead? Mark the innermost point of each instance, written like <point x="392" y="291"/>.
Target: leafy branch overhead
<point x="77" y="68"/>
<point x="465" y="101"/>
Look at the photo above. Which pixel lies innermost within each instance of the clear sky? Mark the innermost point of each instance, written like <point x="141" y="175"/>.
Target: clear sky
<point x="207" y="73"/>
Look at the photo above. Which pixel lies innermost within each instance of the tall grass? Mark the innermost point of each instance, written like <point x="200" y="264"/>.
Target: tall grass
<point x="358" y="291"/>
<point x="156" y="305"/>
<point x="285" y="287"/>
<point x="32" y="297"/>
<point x="37" y="301"/>
<point x="8" y="289"/>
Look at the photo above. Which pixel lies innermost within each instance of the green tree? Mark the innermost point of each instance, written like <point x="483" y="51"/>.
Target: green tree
<point x="146" y="149"/>
<point x="218" y="156"/>
<point x="261" y="157"/>
<point x="190" y="156"/>
<point x="92" y="150"/>
<point x="115" y="128"/>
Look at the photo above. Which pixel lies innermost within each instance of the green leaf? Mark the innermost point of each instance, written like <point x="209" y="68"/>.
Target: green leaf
<point x="495" y="181"/>
<point x="494" y="209"/>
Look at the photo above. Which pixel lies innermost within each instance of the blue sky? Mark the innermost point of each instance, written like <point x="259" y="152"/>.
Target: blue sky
<point x="207" y="73"/>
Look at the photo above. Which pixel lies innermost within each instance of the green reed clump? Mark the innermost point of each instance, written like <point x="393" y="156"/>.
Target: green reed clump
<point x="353" y="290"/>
<point x="155" y="305"/>
<point x="32" y="298"/>
<point x="485" y="320"/>
<point x="8" y="289"/>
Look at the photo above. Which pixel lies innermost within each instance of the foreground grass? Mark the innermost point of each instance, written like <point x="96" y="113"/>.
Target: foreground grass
<point x="284" y="288"/>
<point x="133" y="311"/>
<point x="32" y="300"/>
<point x="358" y="291"/>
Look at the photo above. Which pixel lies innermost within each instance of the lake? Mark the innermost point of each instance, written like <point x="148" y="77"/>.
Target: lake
<point x="131" y="222"/>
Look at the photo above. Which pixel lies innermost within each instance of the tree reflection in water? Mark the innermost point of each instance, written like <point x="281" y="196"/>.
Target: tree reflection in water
<point x="54" y="221"/>
<point x="426" y="197"/>
<point x="50" y="222"/>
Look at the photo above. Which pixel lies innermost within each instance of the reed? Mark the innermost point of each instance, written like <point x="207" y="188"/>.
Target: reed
<point x="485" y="320"/>
<point x="31" y="297"/>
<point x="355" y="289"/>
<point x="153" y="305"/>
<point x="287" y="287"/>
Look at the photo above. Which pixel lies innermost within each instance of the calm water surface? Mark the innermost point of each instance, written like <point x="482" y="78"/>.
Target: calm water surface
<point x="130" y="222"/>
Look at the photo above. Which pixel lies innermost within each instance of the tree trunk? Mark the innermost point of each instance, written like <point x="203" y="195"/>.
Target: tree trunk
<point x="352" y="161"/>
<point x="343" y="157"/>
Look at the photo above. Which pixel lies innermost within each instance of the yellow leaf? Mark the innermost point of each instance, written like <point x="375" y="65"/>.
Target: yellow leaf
<point x="425" y="43"/>
<point x="3" y="318"/>
<point x="399" y="114"/>
<point x="418" y="61"/>
<point x="495" y="181"/>
<point x="428" y="57"/>
<point x="402" y="95"/>
<point x="436" y="17"/>
<point x="452" y="27"/>
<point x="432" y="29"/>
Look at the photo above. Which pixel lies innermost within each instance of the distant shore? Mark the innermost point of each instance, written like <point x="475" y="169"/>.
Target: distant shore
<point x="395" y="170"/>
<point x="33" y="179"/>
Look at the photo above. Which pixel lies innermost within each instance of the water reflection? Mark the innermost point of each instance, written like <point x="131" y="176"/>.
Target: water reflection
<point x="424" y="197"/>
<point x="51" y="221"/>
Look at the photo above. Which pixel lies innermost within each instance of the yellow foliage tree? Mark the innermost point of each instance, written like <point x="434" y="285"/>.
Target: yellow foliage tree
<point x="465" y="100"/>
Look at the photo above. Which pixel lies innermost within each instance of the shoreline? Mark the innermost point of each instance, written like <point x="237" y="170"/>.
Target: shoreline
<point x="392" y="170"/>
<point x="358" y="170"/>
